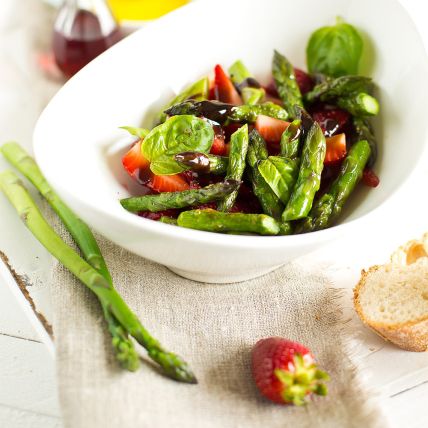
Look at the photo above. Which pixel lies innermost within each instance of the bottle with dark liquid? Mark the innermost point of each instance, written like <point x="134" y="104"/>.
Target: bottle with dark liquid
<point x="83" y="29"/>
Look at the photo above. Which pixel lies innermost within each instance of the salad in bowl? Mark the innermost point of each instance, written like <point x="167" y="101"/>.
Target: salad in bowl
<point x="230" y="154"/>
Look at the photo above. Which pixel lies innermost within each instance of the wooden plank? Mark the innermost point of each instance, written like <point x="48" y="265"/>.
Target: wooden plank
<point x="408" y="409"/>
<point x="27" y="376"/>
<point x="12" y="319"/>
<point x="22" y="306"/>
<point x="18" y="418"/>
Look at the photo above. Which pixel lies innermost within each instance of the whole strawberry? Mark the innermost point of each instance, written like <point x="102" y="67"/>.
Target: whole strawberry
<point x="285" y="372"/>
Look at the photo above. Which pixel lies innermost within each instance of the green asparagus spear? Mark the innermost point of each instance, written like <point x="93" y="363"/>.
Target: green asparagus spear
<point x="330" y="205"/>
<point x="196" y="91"/>
<point x="350" y="174"/>
<point x="222" y="112"/>
<point x="212" y="110"/>
<point x="285" y="228"/>
<point x="249" y="113"/>
<point x="308" y="181"/>
<point x="290" y="140"/>
<point x="215" y="221"/>
<point x="359" y="105"/>
<point x="251" y="91"/>
<point x="285" y="81"/>
<point x="203" y="163"/>
<point x="15" y="191"/>
<point x="364" y="131"/>
<point x="168" y="220"/>
<point x="280" y="174"/>
<point x="342" y="86"/>
<point x="319" y="216"/>
<point x="235" y="169"/>
<point x="186" y="198"/>
<point x="257" y="152"/>
<point x="82" y="235"/>
<point x="252" y="96"/>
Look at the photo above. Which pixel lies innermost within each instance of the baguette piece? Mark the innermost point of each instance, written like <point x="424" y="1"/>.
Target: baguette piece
<point x="392" y="299"/>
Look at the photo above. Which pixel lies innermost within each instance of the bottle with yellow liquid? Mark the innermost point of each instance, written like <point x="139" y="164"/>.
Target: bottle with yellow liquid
<point x="143" y="10"/>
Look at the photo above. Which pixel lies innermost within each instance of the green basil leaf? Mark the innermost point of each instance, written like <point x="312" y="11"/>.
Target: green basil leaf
<point x="280" y="174"/>
<point x="138" y="132"/>
<point x="178" y="134"/>
<point x="335" y="51"/>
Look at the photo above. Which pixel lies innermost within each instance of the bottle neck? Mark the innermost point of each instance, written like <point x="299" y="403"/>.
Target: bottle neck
<point x="98" y="10"/>
<point x="85" y="4"/>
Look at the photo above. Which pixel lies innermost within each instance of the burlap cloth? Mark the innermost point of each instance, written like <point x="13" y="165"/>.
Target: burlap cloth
<point x="214" y="328"/>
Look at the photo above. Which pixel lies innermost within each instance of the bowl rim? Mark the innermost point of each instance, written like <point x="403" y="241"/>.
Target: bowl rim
<point x="193" y="235"/>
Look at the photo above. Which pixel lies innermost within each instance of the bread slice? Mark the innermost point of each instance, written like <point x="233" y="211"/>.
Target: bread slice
<point x="392" y="299"/>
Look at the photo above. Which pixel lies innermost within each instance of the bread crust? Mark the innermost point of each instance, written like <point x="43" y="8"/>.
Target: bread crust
<point x="410" y="335"/>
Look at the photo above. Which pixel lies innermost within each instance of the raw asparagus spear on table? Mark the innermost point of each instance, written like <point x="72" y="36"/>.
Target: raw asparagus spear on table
<point x="235" y="169"/>
<point x="330" y="205"/>
<point x="250" y="88"/>
<point x="216" y="221"/>
<point x="186" y="198"/>
<point x="82" y="235"/>
<point x="257" y="152"/>
<point x="121" y="320"/>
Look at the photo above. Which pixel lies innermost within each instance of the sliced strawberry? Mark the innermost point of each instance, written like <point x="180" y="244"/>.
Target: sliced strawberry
<point x="224" y="89"/>
<point x="336" y="149"/>
<point x="133" y="160"/>
<point x="303" y="80"/>
<point x="270" y="129"/>
<point x="168" y="183"/>
<point x="331" y="120"/>
<point x="370" y="178"/>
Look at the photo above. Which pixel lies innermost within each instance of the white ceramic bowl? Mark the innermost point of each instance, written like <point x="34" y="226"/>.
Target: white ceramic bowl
<point x="76" y="138"/>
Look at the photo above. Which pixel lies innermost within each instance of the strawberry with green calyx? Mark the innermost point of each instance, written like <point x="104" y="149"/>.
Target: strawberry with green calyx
<point x="285" y="372"/>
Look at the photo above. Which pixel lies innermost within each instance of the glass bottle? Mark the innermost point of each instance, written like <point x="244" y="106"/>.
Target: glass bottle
<point x="83" y="29"/>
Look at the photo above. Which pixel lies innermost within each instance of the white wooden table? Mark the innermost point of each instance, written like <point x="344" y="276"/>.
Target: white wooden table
<point x="27" y="372"/>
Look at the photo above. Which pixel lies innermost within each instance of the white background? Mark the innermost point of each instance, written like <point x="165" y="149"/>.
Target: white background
<point x="27" y="372"/>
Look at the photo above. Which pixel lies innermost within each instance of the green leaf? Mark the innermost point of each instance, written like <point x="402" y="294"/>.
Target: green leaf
<point x="178" y="134"/>
<point x="335" y="51"/>
<point x="138" y="132"/>
<point x="197" y="91"/>
<point x="280" y="174"/>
